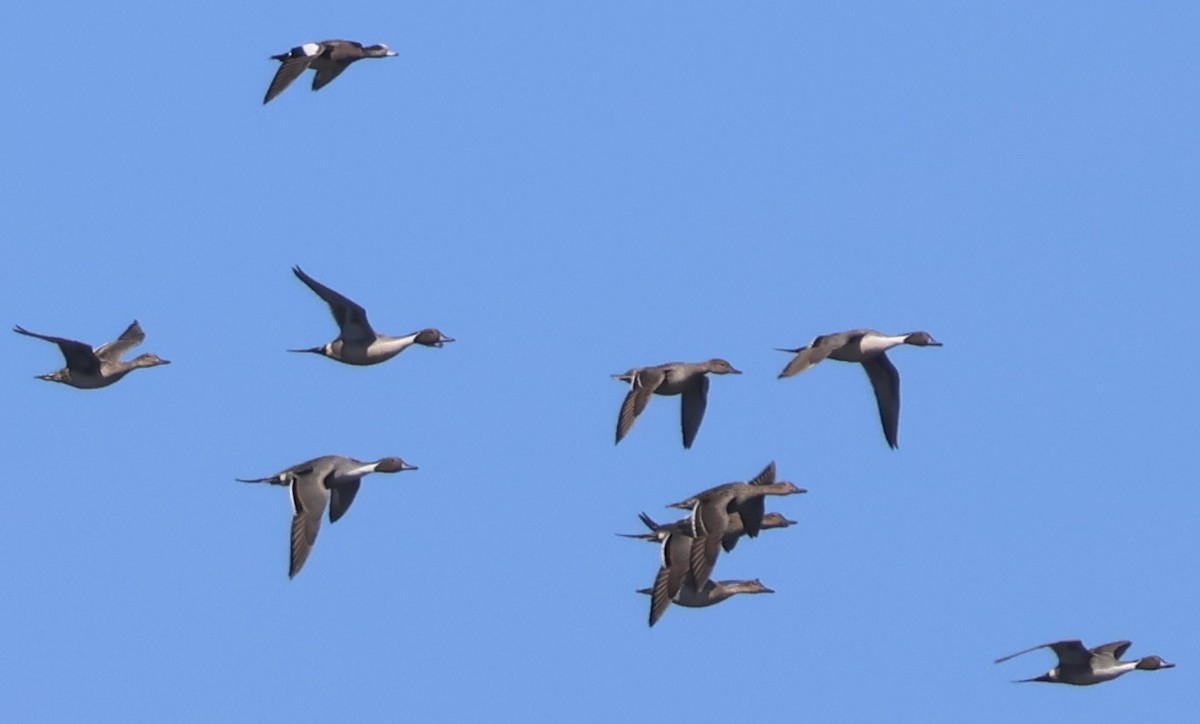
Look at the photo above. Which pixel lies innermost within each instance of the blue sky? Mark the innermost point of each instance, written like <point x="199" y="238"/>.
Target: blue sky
<point x="571" y="190"/>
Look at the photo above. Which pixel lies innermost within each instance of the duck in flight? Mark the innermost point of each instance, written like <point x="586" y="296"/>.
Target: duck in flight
<point x="867" y="347"/>
<point x="328" y="57"/>
<point x="1082" y="666"/>
<point x="330" y="479"/>
<point x="88" y="368"/>
<point x="687" y="379"/>
<point x="358" y="343"/>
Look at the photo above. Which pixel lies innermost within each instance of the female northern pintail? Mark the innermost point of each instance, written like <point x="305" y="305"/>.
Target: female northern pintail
<point x="331" y="479"/>
<point x="358" y="343"/>
<point x="711" y="512"/>
<point x="89" y="368"/>
<point x="1082" y="666"/>
<point x="867" y="347"/>
<point x="673" y="378"/>
<point x="328" y="57"/>
<point x="712" y="593"/>
<point x="735" y="530"/>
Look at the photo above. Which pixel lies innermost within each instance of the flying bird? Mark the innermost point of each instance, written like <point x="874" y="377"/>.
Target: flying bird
<point x="358" y="343"/>
<point x="1083" y="666"/>
<point x="328" y="57"/>
<point x="88" y="368"/>
<point x="689" y="380"/>
<point x="869" y="348"/>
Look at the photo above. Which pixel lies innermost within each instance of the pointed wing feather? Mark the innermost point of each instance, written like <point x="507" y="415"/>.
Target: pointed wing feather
<point x="691" y="409"/>
<point x="766" y="477"/>
<point x="886" y="382"/>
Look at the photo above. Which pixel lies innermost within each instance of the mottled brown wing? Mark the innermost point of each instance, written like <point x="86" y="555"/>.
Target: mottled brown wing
<point x="645" y="382"/>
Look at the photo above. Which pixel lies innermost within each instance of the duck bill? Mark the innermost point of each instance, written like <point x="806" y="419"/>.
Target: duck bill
<point x="313" y="350"/>
<point x="406" y="466"/>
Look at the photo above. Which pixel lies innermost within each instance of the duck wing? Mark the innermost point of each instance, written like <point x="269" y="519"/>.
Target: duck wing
<point x="309" y="497"/>
<point x="886" y="382"/>
<point x="691" y="409"/>
<point x="350" y="317"/>
<point x="130" y="338"/>
<point x="80" y="357"/>
<point x="645" y="382"/>
<point x="1070" y="652"/>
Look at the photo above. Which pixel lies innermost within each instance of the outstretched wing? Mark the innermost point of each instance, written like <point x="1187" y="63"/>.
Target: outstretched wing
<point x="691" y="409"/>
<point x="350" y="317"/>
<point x="645" y="382"/>
<point x="1115" y="649"/>
<point x="886" y="382"/>
<point x="79" y="356"/>
<point x="291" y="66"/>
<point x="1070" y="653"/>
<point x="817" y="350"/>
<point x="130" y="338"/>
<point x="308" y="502"/>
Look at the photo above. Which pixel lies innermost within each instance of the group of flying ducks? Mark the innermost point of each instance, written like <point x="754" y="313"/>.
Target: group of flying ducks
<point x="688" y="547"/>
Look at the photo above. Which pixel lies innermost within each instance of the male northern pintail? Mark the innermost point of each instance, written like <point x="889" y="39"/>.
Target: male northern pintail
<point x="673" y="378"/>
<point x="331" y="479"/>
<point x="713" y="592"/>
<point x="711" y="511"/>
<point x="89" y="368"/>
<point x="869" y="348"/>
<point x="733" y="532"/>
<point x="328" y="57"/>
<point x="1082" y="666"/>
<point x="358" y="343"/>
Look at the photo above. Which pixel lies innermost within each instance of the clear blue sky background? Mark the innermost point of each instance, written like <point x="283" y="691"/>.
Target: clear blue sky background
<point x="573" y="189"/>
